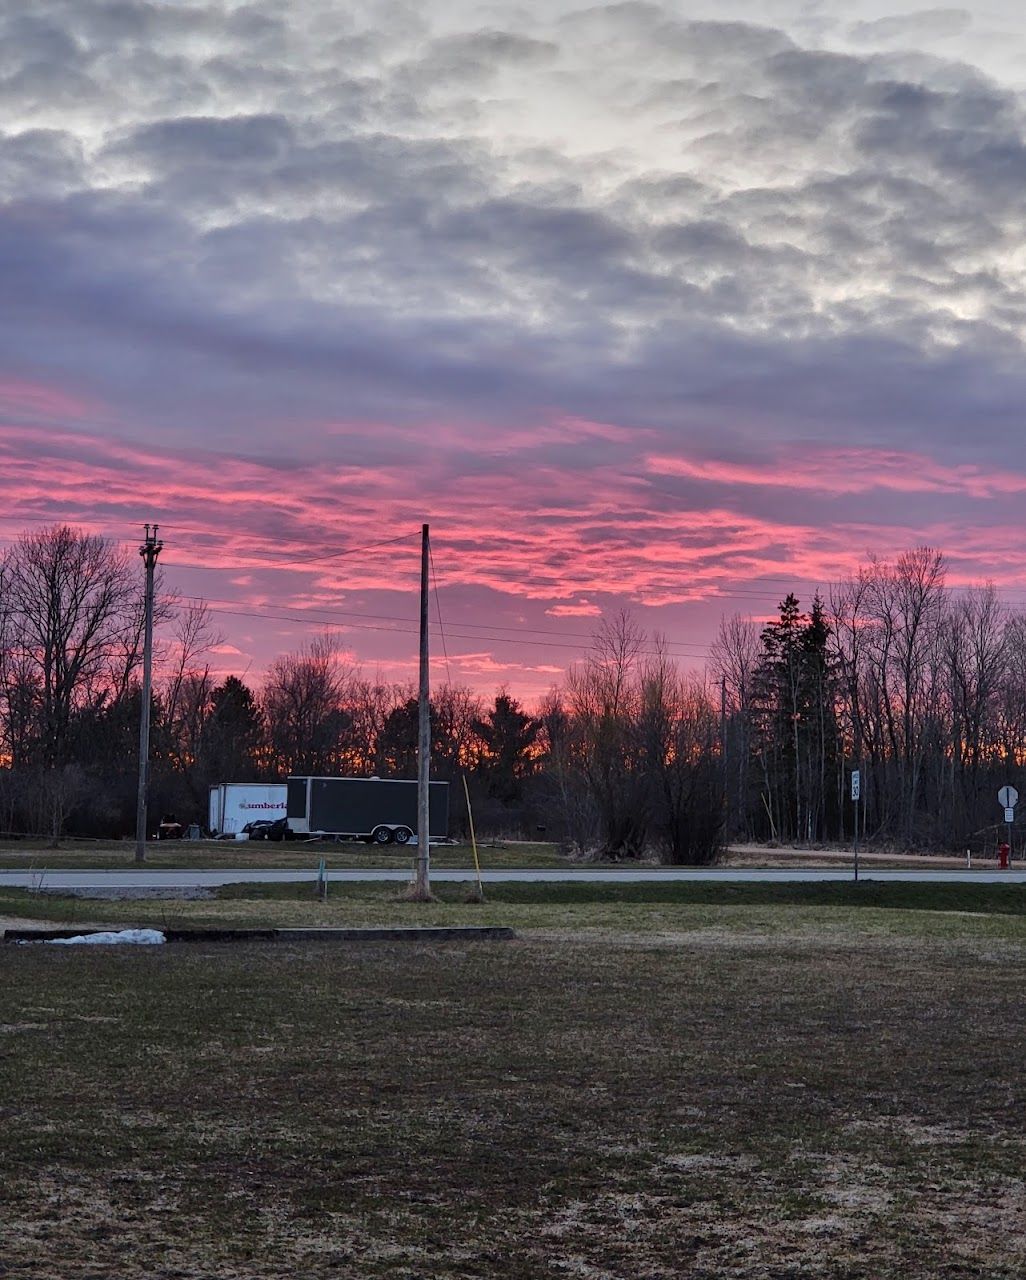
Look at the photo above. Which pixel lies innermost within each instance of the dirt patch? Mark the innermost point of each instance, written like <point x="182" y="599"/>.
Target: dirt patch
<point x="25" y="922"/>
<point x="762" y="855"/>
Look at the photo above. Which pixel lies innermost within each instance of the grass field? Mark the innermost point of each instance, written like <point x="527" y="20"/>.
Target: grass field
<point x="767" y="1087"/>
<point x="28" y="853"/>
<point x="229" y="853"/>
<point x="672" y="908"/>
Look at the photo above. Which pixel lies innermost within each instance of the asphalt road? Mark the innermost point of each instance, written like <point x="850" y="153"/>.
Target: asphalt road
<point x="189" y="879"/>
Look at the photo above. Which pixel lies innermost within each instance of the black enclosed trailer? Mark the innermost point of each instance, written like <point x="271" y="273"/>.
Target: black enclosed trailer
<point x="383" y="810"/>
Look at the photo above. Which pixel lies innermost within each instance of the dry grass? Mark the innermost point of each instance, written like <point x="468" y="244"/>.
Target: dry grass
<point x="758" y="911"/>
<point x="493" y="853"/>
<point x="735" y="1096"/>
<point x="262" y="853"/>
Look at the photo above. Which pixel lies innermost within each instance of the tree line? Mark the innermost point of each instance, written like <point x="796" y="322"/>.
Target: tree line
<point x="622" y="757"/>
<point x="921" y="688"/>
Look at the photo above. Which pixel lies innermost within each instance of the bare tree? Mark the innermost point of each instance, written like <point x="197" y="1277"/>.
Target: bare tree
<point x="975" y="643"/>
<point x="185" y="696"/>
<point x="304" y="701"/>
<point x="564" y="781"/>
<point x="195" y="635"/>
<point x="73" y="604"/>
<point x="733" y="659"/>
<point x="681" y="753"/>
<point x="603" y="695"/>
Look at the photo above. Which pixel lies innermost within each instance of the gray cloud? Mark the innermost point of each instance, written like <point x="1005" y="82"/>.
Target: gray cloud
<point x="701" y="227"/>
<point x="912" y="27"/>
<point x="44" y="162"/>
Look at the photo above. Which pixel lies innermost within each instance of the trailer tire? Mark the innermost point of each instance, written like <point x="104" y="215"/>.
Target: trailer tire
<point x="402" y="835"/>
<point x="382" y="835"/>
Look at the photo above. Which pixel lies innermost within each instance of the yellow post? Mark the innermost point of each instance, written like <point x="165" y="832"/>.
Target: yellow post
<point x="473" y="839"/>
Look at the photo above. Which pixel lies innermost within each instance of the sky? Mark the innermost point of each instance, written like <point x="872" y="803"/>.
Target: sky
<point x="670" y="307"/>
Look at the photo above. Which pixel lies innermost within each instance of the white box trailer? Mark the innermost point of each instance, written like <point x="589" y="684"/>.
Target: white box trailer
<point x="233" y="804"/>
<point x="381" y="810"/>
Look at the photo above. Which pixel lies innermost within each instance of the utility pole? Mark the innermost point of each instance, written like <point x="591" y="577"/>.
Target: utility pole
<point x="422" y="887"/>
<point x="149" y="551"/>
<point x="723" y="755"/>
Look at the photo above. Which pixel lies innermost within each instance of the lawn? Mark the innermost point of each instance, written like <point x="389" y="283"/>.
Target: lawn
<point x="167" y="854"/>
<point x="635" y="1088"/>
<point x="493" y="853"/>
<point x="568" y="908"/>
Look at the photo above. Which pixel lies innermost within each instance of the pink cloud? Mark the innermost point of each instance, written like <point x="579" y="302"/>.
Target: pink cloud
<point x="485" y="663"/>
<point x="246" y="535"/>
<point x="841" y="471"/>
<point x="582" y="609"/>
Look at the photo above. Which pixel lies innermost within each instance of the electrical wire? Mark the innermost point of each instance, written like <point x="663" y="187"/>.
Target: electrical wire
<point x="330" y="616"/>
<point x="307" y="621"/>
<point x="438" y="610"/>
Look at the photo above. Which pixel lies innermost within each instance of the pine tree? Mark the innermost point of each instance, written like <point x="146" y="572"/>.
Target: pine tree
<point x="509" y="737"/>
<point x="233" y="736"/>
<point x="793" y="713"/>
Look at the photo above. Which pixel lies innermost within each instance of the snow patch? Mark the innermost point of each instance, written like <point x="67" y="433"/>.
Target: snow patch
<point x="134" y="937"/>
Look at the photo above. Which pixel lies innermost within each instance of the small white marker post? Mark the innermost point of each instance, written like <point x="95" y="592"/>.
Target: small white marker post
<point x="856" y="791"/>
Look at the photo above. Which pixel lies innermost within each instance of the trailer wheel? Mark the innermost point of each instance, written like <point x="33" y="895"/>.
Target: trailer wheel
<point x="382" y="835"/>
<point x="402" y="835"/>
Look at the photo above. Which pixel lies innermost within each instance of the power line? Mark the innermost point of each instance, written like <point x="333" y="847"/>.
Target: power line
<point x="334" y="614"/>
<point x="323" y="618"/>
<point x="438" y="610"/>
<point x="308" y="621"/>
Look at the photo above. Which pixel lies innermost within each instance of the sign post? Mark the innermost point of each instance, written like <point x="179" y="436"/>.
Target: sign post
<point x="1008" y="798"/>
<point x="856" y="791"/>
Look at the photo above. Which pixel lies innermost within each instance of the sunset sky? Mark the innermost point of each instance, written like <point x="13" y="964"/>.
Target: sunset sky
<point x="668" y="306"/>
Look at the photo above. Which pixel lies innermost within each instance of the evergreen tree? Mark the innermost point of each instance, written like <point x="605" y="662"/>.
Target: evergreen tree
<point x="233" y="737"/>
<point x="509" y="739"/>
<point x="793" y="712"/>
<point x="397" y="742"/>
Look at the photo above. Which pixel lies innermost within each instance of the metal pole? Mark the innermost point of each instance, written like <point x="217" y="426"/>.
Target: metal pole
<point x="857" y="800"/>
<point x="149" y="551"/>
<point x="423" y="883"/>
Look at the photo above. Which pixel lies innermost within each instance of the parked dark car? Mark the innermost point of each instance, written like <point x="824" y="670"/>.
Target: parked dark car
<point x="265" y="829"/>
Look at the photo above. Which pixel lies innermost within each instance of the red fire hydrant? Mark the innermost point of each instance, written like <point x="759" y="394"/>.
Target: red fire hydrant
<point x="1003" y="856"/>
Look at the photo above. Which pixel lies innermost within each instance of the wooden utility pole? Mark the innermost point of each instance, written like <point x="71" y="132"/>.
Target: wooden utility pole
<point x="723" y="756"/>
<point x="422" y="886"/>
<point x="149" y="551"/>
